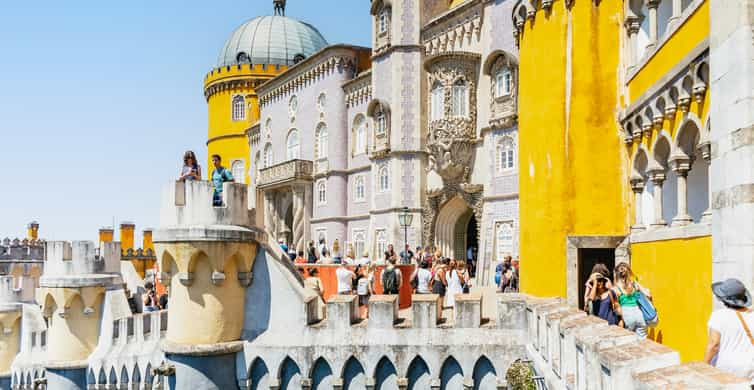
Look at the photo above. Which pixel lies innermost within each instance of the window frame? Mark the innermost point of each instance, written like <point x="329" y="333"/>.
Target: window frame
<point x="505" y="153"/>
<point x="380" y="122"/>
<point x="460" y="99"/>
<point x="359" y="183"/>
<point x="383" y="21"/>
<point x="383" y="172"/>
<point x="359" y="238"/>
<point x="238" y="178"/>
<point x="360" y="136"/>
<point x="321" y="192"/>
<point x="322" y="144"/>
<point x="238" y="108"/>
<point x="295" y="148"/>
<point x="380" y="243"/>
<point x="503" y="82"/>
<point x="267" y="156"/>
<point x="437" y="102"/>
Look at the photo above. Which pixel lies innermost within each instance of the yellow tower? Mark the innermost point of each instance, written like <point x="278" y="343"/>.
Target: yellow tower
<point x="256" y="51"/>
<point x="127" y="230"/>
<point x="33" y="230"/>
<point x="573" y="184"/>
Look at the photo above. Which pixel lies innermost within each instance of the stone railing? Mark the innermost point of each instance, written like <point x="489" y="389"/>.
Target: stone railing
<point x="288" y="171"/>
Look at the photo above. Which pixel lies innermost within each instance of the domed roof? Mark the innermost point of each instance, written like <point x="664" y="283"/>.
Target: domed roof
<point x="271" y="40"/>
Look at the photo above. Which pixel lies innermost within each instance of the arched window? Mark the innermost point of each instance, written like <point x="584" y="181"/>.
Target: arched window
<point x="257" y="162"/>
<point x="321" y="192"/>
<point x="381" y="240"/>
<point x="321" y="141"/>
<point x="383" y="179"/>
<point x="383" y="21"/>
<point x="360" y="135"/>
<point x="460" y="102"/>
<point x="359" y="242"/>
<point x="239" y="108"/>
<point x="505" y="154"/>
<point x="267" y="156"/>
<point x="380" y="122"/>
<point x="437" y="109"/>
<point x="237" y="170"/>
<point x="293" y="145"/>
<point x="503" y="82"/>
<point x="359" y="189"/>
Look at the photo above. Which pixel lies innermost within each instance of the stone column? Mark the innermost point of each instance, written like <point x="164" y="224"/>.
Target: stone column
<point x="706" y="155"/>
<point x="652" y="6"/>
<point x="681" y="166"/>
<point x="270" y="212"/>
<point x="657" y="177"/>
<point x="301" y="215"/>
<point x="637" y="186"/>
<point x="632" y="25"/>
<point x="677" y="10"/>
<point x="732" y="138"/>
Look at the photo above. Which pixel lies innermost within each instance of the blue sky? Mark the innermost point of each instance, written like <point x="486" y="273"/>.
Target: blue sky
<point x="99" y="99"/>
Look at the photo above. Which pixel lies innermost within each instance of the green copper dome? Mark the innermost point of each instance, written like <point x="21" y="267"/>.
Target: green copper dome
<point x="271" y="40"/>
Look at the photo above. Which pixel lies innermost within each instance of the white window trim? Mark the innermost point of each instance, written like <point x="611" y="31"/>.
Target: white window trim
<point x="320" y="104"/>
<point x="361" y="123"/>
<point x="320" y="148"/>
<point x="378" y="254"/>
<point x="466" y="101"/>
<point x="242" y="115"/>
<point x="288" y="154"/>
<point x="364" y="242"/>
<point x="356" y="198"/>
<point x="268" y="156"/>
<point x="383" y="21"/>
<point x="242" y="177"/>
<point x="379" y="180"/>
<point x="321" y="183"/>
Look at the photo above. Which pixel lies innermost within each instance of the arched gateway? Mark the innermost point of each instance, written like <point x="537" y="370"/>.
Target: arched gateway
<point x="456" y="229"/>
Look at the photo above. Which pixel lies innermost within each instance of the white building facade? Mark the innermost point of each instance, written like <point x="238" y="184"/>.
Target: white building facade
<point x="351" y="137"/>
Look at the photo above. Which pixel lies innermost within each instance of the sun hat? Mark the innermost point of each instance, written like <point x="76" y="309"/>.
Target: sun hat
<point x="732" y="292"/>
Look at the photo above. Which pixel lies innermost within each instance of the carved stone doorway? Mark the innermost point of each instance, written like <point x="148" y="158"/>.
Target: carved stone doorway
<point x="446" y="218"/>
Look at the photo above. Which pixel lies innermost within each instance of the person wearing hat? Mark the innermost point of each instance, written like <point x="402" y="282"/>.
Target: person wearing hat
<point x="731" y="345"/>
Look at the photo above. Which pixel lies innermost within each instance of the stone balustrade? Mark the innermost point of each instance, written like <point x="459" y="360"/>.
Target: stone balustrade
<point x="288" y="171"/>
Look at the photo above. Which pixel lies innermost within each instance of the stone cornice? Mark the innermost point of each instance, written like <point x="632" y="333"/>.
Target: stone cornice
<point x="389" y="49"/>
<point x="226" y="136"/>
<point x="461" y="24"/>
<point x="249" y="82"/>
<point x="340" y="218"/>
<point x="359" y="90"/>
<point x="342" y="172"/>
<point x="317" y="65"/>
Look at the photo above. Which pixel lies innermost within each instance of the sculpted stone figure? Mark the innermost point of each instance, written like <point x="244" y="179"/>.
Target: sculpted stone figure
<point x="279" y="7"/>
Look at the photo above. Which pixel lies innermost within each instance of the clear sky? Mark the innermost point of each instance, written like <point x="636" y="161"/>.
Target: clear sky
<point x="99" y="99"/>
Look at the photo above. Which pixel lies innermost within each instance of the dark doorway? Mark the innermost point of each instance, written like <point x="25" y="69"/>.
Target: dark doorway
<point x="472" y="241"/>
<point x="588" y="257"/>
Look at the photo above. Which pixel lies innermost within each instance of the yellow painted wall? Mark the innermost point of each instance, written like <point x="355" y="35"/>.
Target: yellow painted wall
<point x="9" y="342"/>
<point x="694" y="30"/>
<point x="106" y="235"/>
<point x="679" y="273"/>
<point x="226" y="137"/>
<point x="572" y="160"/>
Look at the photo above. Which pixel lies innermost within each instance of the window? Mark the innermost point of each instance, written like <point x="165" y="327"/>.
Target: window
<point x="267" y="156"/>
<point x="257" y="162"/>
<point x="437" y="108"/>
<point x="237" y="170"/>
<point x="380" y="122"/>
<point x="321" y="141"/>
<point x="321" y="102"/>
<point x="293" y="105"/>
<point x="505" y="154"/>
<point x="503" y="82"/>
<point x="239" y="108"/>
<point x="293" y="145"/>
<point x="383" y="179"/>
<point x="321" y="192"/>
<point x="460" y="102"/>
<point x="381" y="240"/>
<point x="504" y="239"/>
<point x="359" y="189"/>
<point x="360" y="142"/>
<point x="359" y="243"/>
<point x="383" y="22"/>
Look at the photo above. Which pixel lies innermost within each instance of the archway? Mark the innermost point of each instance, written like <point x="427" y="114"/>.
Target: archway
<point x="455" y="223"/>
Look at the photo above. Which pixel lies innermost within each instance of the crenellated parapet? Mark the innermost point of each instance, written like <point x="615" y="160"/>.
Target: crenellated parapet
<point x="18" y="249"/>
<point x="16" y="289"/>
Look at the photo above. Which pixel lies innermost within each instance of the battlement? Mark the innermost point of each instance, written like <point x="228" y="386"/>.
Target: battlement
<point x="190" y="204"/>
<point x="17" y="288"/>
<point x="81" y="259"/>
<point x="16" y="249"/>
<point x="258" y="70"/>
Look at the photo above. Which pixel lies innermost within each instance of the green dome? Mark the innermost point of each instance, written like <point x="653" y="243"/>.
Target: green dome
<point x="271" y="40"/>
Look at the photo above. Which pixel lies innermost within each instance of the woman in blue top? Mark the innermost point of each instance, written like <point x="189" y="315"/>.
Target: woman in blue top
<point x="191" y="169"/>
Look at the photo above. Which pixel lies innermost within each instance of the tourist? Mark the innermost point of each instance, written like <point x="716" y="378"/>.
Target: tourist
<point x="601" y="300"/>
<point x="315" y="283"/>
<point x="422" y="278"/>
<point x="627" y="290"/>
<point x="311" y="253"/>
<point x="164" y="299"/>
<point x="406" y="255"/>
<point x="337" y="256"/>
<point x="283" y="247"/>
<point x="731" y="346"/>
<point x="439" y="284"/>
<point x="362" y="288"/>
<point x="391" y="279"/>
<point x="463" y="275"/>
<point x="220" y="175"/>
<point x="601" y="269"/>
<point x="191" y="169"/>
<point x="453" y="283"/>
<point x="150" y="298"/>
<point x="364" y="259"/>
<point x="131" y="302"/>
<point x="345" y="279"/>
<point x="390" y="254"/>
<point x="418" y="255"/>
<point x="300" y="258"/>
<point x="350" y="258"/>
<point x="322" y="247"/>
<point x="325" y="258"/>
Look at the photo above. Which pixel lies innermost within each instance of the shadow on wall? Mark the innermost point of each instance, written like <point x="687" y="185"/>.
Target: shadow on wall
<point x="257" y="321"/>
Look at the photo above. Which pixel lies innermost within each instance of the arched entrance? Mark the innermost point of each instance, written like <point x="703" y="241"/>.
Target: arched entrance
<point x="456" y="229"/>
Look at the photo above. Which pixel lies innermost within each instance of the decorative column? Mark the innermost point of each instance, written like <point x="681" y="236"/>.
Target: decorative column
<point x="707" y="156"/>
<point x="270" y="212"/>
<point x="632" y="24"/>
<point x="657" y="177"/>
<point x="681" y="166"/>
<point x="677" y="10"/>
<point x="652" y="6"/>
<point x="637" y="186"/>
<point x="301" y="192"/>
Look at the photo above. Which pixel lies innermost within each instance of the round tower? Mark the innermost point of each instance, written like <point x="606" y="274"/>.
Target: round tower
<point x="255" y="52"/>
<point x="71" y="293"/>
<point x="205" y="255"/>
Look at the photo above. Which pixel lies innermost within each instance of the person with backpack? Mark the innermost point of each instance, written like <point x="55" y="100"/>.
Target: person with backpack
<point x="362" y="288"/>
<point x="731" y="345"/>
<point x="391" y="279"/>
<point x="628" y="291"/>
<point x="220" y="175"/>
<point x="311" y="253"/>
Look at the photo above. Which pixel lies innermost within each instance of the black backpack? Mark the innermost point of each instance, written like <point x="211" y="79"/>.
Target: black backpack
<point x="389" y="281"/>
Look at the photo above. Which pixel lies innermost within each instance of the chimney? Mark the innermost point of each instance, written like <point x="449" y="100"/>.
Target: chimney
<point x="32" y="230"/>
<point x="147" y="243"/>
<point x="127" y="235"/>
<point x="106" y="234"/>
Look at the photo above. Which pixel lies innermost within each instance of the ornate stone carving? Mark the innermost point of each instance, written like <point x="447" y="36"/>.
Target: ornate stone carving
<point x="287" y="171"/>
<point x="503" y="109"/>
<point x="451" y="139"/>
<point x="472" y="194"/>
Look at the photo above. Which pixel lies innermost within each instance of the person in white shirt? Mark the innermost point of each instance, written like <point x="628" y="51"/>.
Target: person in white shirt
<point x="364" y="259"/>
<point x="731" y="345"/>
<point x="345" y="279"/>
<point x="422" y="278"/>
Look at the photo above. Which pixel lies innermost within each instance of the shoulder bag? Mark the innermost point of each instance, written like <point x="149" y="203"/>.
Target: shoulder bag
<point x="746" y="328"/>
<point x="648" y="310"/>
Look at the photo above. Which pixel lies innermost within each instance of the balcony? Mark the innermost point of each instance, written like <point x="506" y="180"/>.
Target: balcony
<point x="289" y="172"/>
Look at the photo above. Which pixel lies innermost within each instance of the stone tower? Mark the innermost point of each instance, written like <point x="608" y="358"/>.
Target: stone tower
<point x="206" y="255"/>
<point x="71" y="292"/>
